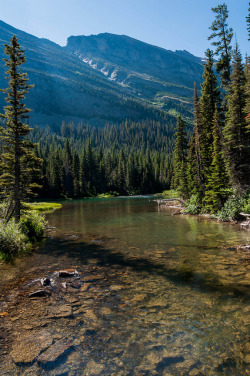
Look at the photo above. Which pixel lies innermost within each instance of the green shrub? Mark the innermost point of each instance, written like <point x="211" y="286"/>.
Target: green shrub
<point x="12" y="240"/>
<point x="246" y="206"/>
<point x="246" y="209"/>
<point x="231" y="209"/>
<point x="171" y="193"/>
<point x="192" y="206"/>
<point x="32" y="225"/>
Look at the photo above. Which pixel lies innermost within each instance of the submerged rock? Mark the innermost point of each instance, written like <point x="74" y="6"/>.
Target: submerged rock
<point x="76" y="285"/>
<point x="64" y="310"/>
<point x="67" y="273"/>
<point x="58" y="349"/>
<point x="27" y="348"/>
<point x="46" y="281"/>
<point x="39" y="293"/>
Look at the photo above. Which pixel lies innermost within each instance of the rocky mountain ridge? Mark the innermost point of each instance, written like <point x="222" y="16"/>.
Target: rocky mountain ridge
<point x="103" y="78"/>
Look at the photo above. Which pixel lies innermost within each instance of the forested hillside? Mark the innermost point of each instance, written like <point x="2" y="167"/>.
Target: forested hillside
<point x="129" y="158"/>
<point x="68" y="89"/>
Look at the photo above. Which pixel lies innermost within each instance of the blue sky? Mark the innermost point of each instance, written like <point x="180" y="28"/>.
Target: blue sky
<point x="171" y="24"/>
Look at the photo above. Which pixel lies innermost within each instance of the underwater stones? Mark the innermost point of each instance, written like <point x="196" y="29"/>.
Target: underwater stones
<point x="46" y="281"/>
<point x="28" y="347"/>
<point x="76" y="285"/>
<point x="39" y="293"/>
<point x="116" y="287"/>
<point x="85" y="287"/>
<point x="56" y="350"/>
<point x="67" y="273"/>
<point x="93" y="368"/>
<point x="71" y="299"/>
<point x="63" y="310"/>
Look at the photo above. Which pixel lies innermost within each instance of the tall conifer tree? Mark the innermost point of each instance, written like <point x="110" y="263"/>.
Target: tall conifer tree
<point x="248" y="22"/>
<point x="179" y="158"/>
<point x="18" y="162"/>
<point x="209" y="102"/>
<point x="236" y="137"/>
<point x="223" y="35"/>
<point x="199" y="142"/>
<point x="217" y="179"/>
<point x="247" y="91"/>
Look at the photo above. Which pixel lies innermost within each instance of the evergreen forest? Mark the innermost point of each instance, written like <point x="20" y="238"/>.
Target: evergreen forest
<point x="211" y="169"/>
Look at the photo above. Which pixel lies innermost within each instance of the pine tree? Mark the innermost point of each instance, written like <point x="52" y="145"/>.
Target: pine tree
<point x="224" y="35"/>
<point x="236" y="137"/>
<point x="247" y="91"/>
<point x="18" y="163"/>
<point x="248" y="22"/>
<point x="179" y="181"/>
<point x="192" y="174"/>
<point x="209" y="102"/>
<point x="217" y="180"/>
<point x="199" y="142"/>
<point x="67" y="175"/>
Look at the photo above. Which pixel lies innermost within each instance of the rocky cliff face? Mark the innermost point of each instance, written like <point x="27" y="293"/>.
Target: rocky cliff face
<point x="124" y="60"/>
<point x="103" y="78"/>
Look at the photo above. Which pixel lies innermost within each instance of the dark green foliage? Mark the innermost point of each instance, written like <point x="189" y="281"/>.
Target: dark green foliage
<point x="247" y="92"/>
<point x="12" y="240"/>
<point x="32" y="225"/>
<point x="130" y="158"/>
<point x="179" y="159"/>
<point x="209" y="103"/>
<point x="193" y="204"/>
<point x="223" y="36"/>
<point x="218" y="158"/>
<point x="195" y="156"/>
<point x="231" y="209"/>
<point x="18" y="161"/>
<point x="217" y="180"/>
<point x="237" y="140"/>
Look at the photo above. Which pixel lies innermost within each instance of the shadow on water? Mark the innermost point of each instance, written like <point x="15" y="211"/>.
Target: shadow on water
<point x="85" y="252"/>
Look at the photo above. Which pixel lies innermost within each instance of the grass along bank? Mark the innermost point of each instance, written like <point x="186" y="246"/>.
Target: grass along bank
<point x="41" y="207"/>
<point x="19" y="238"/>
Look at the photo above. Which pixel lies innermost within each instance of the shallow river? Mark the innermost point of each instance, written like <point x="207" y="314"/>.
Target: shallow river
<point x="156" y="294"/>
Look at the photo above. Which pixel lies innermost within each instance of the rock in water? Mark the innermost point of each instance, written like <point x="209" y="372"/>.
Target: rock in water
<point x="27" y="348"/>
<point x="39" y="293"/>
<point x="64" y="310"/>
<point x="76" y="285"/>
<point x="55" y="351"/>
<point x="46" y="281"/>
<point x="67" y="273"/>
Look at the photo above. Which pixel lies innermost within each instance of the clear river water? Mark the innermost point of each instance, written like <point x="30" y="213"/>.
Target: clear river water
<point x="155" y="294"/>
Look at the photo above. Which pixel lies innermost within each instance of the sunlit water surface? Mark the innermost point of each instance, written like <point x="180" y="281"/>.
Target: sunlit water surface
<point x="157" y="294"/>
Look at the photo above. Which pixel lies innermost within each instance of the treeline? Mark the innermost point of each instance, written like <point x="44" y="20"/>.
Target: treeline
<point x="212" y="170"/>
<point x="129" y="158"/>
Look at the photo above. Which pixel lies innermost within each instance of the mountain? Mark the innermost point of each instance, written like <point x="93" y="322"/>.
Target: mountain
<point x="160" y="76"/>
<point x="99" y="79"/>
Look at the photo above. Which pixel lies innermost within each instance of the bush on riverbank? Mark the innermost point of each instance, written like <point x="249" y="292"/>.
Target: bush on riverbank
<point x="18" y="238"/>
<point x="231" y="209"/>
<point x="108" y="195"/>
<point x="32" y="225"/>
<point x="192" y="205"/>
<point x="170" y="193"/>
<point x="12" y="241"/>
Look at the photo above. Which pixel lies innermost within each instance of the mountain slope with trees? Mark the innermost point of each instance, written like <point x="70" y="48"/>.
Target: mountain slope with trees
<point x="68" y="89"/>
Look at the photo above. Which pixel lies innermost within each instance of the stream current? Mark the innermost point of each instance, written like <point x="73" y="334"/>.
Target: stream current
<point x="155" y="294"/>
